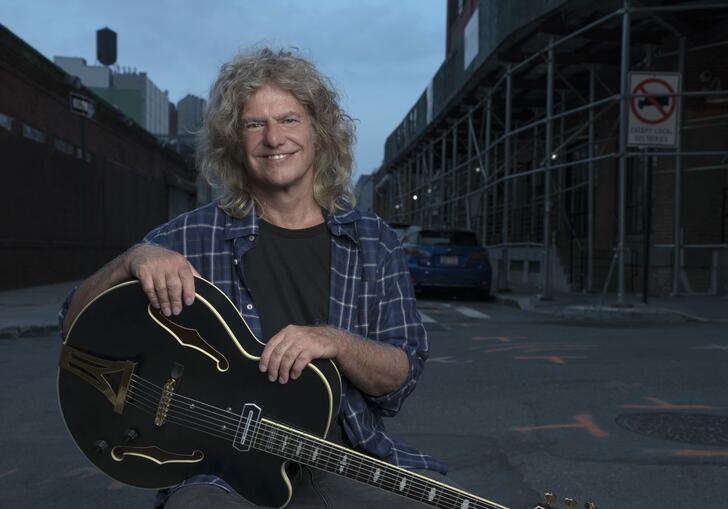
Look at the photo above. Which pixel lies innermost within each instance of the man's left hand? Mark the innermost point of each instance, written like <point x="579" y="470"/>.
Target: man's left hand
<point x="288" y="352"/>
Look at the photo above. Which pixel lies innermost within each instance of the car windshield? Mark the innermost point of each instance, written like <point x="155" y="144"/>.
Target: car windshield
<point x="444" y="237"/>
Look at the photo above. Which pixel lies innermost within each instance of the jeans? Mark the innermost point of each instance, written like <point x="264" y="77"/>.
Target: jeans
<point x="311" y="489"/>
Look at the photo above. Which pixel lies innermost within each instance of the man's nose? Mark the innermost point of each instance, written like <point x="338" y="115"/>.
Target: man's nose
<point x="273" y="135"/>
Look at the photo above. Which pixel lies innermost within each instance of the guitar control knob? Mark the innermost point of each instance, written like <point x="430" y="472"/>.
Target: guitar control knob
<point x="100" y="446"/>
<point x="130" y="435"/>
<point x="570" y="503"/>
<point x="590" y="505"/>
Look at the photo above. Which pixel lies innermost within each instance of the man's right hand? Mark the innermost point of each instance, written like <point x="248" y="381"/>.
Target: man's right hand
<point x="166" y="276"/>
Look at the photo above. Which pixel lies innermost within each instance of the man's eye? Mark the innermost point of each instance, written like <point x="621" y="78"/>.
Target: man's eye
<point x="290" y="121"/>
<point x="253" y="125"/>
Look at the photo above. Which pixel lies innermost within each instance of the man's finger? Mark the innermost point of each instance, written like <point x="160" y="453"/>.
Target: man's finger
<point x="188" y="284"/>
<point x="268" y="351"/>
<point x="160" y="287"/>
<point x="148" y="286"/>
<point x="301" y="362"/>
<point x="288" y="359"/>
<point x="174" y="292"/>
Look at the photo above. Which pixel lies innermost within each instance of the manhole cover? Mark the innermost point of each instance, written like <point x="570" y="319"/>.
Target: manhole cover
<point x="688" y="428"/>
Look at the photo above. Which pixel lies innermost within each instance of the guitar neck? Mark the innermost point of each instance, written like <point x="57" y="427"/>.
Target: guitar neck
<point x="294" y="445"/>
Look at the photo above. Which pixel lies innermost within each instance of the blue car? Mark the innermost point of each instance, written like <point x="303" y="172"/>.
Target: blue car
<point x="447" y="258"/>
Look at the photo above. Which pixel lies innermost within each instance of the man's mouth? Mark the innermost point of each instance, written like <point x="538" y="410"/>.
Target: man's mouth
<point x="276" y="157"/>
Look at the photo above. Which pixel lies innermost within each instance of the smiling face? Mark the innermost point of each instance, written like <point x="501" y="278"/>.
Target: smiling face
<point x="278" y="140"/>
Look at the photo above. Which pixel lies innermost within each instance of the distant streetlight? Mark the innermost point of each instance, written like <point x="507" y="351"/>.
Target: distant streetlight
<point x="477" y="169"/>
<point x="554" y="156"/>
<point x="414" y="197"/>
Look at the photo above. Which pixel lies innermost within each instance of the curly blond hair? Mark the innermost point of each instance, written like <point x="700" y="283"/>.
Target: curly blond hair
<point x="220" y="155"/>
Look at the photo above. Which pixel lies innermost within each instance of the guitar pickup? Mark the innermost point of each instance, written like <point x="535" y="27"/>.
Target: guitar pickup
<point x="247" y="427"/>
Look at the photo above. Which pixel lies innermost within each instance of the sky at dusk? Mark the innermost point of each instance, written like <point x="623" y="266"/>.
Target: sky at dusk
<point x="380" y="54"/>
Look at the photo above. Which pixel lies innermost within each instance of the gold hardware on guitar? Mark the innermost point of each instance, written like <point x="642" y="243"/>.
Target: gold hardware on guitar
<point x="570" y="503"/>
<point x="93" y="370"/>
<point x="164" y="402"/>
<point x="549" y="498"/>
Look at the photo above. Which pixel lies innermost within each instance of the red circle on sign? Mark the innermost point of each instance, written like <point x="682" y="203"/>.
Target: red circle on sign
<point x="640" y="88"/>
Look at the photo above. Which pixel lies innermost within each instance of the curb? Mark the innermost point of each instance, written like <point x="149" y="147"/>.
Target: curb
<point x="602" y="313"/>
<point x="522" y="303"/>
<point x="27" y="331"/>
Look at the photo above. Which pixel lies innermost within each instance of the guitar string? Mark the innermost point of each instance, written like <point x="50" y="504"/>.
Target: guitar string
<point x="276" y="430"/>
<point x="330" y="462"/>
<point x="389" y="483"/>
<point x="325" y="451"/>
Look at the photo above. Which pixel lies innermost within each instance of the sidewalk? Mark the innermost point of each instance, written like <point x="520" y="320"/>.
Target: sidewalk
<point x="27" y="312"/>
<point x="589" y="307"/>
<point x="32" y="311"/>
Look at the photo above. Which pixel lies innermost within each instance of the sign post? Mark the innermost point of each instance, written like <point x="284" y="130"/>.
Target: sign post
<point x="653" y="109"/>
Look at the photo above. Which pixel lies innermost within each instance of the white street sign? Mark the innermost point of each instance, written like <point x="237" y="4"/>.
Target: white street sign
<point x="653" y="109"/>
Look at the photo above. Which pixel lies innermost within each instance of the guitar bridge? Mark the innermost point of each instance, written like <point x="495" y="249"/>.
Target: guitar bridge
<point x="93" y="369"/>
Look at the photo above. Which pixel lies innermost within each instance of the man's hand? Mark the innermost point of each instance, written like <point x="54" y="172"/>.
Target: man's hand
<point x="166" y="276"/>
<point x="374" y="368"/>
<point x="288" y="352"/>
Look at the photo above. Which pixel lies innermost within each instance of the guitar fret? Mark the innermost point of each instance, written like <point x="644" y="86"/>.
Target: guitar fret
<point x="331" y="458"/>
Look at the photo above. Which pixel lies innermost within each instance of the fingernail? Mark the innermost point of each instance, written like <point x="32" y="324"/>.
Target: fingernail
<point x="166" y="311"/>
<point x="272" y="378"/>
<point x="282" y="380"/>
<point x="177" y="310"/>
<point x="262" y="367"/>
<point x="189" y="300"/>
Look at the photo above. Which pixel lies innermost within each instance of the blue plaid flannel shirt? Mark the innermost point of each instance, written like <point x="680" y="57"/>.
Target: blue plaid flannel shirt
<point x="371" y="295"/>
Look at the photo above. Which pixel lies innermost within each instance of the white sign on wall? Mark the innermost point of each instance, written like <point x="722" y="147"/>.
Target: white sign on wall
<point x="653" y="109"/>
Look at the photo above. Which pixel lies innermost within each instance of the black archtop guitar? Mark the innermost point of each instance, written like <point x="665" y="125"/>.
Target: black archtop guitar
<point x="152" y="400"/>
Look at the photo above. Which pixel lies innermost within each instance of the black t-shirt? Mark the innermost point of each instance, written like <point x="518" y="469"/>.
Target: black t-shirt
<point x="287" y="273"/>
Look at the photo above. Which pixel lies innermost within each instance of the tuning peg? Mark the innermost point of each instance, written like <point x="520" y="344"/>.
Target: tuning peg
<point x="570" y="503"/>
<point x="549" y="498"/>
<point x="590" y="505"/>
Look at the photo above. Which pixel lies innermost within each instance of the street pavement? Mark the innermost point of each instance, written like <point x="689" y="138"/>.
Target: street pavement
<point x="518" y="399"/>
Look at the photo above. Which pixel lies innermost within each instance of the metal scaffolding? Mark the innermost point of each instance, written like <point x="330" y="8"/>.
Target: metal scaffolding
<point x="540" y="146"/>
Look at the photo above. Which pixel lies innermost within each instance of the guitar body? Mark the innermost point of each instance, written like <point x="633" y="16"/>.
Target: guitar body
<point x="152" y="401"/>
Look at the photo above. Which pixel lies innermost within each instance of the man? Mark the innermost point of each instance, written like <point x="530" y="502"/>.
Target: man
<point x="312" y="277"/>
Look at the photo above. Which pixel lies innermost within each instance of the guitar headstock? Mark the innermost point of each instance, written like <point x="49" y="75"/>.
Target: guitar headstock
<point x="549" y="499"/>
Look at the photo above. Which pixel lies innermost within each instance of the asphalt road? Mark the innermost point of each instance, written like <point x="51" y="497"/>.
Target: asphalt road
<point x="516" y="403"/>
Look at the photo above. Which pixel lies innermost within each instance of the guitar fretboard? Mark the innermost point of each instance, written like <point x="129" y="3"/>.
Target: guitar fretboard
<point x="296" y="446"/>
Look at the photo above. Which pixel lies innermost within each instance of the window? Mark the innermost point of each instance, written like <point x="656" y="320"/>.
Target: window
<point x="6" y="122"/>
<point x="63" y="146"/>
<point x="33" y="134"/>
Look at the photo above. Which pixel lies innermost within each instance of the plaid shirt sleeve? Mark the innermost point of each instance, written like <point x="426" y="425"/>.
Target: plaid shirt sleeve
<point x="397" y="323"/>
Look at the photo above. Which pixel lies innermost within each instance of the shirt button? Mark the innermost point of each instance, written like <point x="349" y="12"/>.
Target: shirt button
<point x="249" y="307"/>
<point x="251" y="237"/>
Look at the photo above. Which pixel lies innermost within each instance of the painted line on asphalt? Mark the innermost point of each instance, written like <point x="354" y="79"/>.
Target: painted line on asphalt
<point x="711" y="347"/>
<point x="471" y="313"/>
<point x="502" y="339"/>
<point x="697" y="453"/>
<point x="660" y="404"/>
<point x="555" y="359"/>
<point x="9" y="472"/>
<point x="426" y="318"/>
<point x="582" y="421"/>
<point x="447" y="359"/>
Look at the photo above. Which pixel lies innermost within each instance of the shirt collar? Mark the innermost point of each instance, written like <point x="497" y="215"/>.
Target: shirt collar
<point x="341" y="223"/>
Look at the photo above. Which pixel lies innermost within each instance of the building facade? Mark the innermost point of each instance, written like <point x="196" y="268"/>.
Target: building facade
<point x="81" y="182"/>
<point x="527" y="134"/>
<point x="131" y="92"/>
